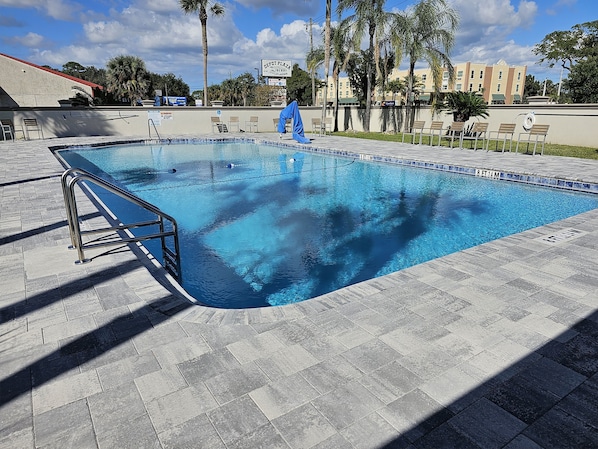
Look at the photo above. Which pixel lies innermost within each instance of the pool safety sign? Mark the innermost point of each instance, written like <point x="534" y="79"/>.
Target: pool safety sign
<point x="157" y="116"/>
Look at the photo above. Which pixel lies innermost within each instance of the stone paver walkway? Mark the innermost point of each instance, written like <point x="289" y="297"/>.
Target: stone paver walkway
<point x="492" y="347"/>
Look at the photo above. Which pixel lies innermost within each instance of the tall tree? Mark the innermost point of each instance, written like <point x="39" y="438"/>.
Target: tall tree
<point x="299" y="86"/>
<point x="340" y="47"/>
<point x="582" y="83"/>
<point x="426" y="31"/>
<point x="369" y="17"/>
<point x="246" y="86"/>
<point x="201" y="7"/>
<point x="327" y="49"/>
<point x="576" y="51"/>
<point x="566" y="48"/>
<point x="313" y="61"/>
<point x="127" y="78"/>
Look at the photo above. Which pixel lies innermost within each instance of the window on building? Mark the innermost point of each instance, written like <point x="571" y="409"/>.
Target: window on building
<point x="472" y="74"/>
<point x="479" y="87"/>
<point x="424" y="76"/>
<point x="499" y="75"/>
<point x="481" y="74"/>
<point x="444" y="86"/>
<point x="460" y="74"/>
<point x="444" y="75"/>
<point x="458" y="87"/>
<point x="517" y="88"/>
<point x="470" y="87"/>
<point x="518" y="76"/>
<point x="498" y="87"/>
<point x="347" y="94"/>
<point x="340" y="85"/>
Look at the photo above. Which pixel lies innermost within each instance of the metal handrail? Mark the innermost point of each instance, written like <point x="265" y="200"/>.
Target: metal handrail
<point x="149" y="129"/>
<point x="171" y="256"/>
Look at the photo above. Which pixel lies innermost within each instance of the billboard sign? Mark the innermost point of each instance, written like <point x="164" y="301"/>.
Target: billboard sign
<point x="277" y="68"/>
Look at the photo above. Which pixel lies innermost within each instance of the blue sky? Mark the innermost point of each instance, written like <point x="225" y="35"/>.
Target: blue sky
<point x="54" y="32"/>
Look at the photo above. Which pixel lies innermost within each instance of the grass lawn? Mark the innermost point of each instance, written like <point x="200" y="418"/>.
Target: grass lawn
<point x="549" y="148"/>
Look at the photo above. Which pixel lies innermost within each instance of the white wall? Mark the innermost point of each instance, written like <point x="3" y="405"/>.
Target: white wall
<point x="569" y="124"/>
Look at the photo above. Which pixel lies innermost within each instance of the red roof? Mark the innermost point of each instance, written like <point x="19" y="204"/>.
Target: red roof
<point x="55" y="72"/>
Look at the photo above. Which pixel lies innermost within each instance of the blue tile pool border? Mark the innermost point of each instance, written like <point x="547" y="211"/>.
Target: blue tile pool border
<point x="558" y="183"/>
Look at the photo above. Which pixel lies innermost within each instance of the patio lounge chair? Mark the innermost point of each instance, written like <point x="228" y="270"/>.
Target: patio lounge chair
<point x="30" y="124"/>
<point x="8" y="129"/>
<point x="477" y="132"/>
<point x="218" y="125"/>
<point x="316" y="125"/>
<point x="251" y="124"/>
<point x="416" y="129"/>
<point x="455" y="130"/>
<point x="539" y="131"/>
<point x="233" y="122"/>
<point x="507" y="131"/>
<point x="435" y="129"/>
<point x="327" y="127"/>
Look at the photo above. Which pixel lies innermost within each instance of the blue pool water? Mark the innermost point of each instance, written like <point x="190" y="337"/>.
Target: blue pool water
<point x="262" y="225"/>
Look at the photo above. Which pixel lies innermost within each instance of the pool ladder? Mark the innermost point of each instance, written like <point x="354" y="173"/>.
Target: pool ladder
<point x="120" y="233"/>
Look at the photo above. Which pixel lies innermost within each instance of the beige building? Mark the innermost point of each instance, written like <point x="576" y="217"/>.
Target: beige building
<point x="498" y="83"/>
<point x="23" y="84"/>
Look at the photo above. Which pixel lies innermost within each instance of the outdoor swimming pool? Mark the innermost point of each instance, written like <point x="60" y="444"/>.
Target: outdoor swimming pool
<point x="263" y="225"/>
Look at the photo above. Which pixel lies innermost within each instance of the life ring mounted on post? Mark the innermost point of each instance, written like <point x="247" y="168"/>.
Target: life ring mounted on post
<point x="529" y="121"/>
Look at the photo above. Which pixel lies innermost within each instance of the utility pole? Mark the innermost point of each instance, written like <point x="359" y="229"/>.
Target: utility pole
<point x="313" y="72"/>
<point x="326" y="65"/>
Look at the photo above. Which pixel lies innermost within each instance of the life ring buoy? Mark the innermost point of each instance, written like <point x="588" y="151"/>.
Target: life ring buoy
<point x="529" y="121"/>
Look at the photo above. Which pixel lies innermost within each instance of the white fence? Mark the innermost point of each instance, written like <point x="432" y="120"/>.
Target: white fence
<point x="569" y="124"/>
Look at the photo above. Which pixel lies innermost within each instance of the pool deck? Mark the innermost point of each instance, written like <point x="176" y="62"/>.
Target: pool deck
<point x="492" y="347"/>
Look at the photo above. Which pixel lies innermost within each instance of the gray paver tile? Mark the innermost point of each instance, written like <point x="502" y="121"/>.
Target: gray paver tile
<point x="66" y="426"/>
<point x="64" y="390"/>
<point x="180" y="406"/>
<point x="390" y="382"/>
<point x="493" y="427"/>
<point x="237" y="419"/>
<point x="265" y="436"/>
<point x="346" y="404"/>
<point x="304" y="427"/>
<point x="330" y="374"/>
<point x="371" y="355"/>
<point x="373" y="431"/>
<point x="197" y="432"/>
<point x="280" y="397"/>
<point x="415" y="414"/>
<point x="236" y="382"/>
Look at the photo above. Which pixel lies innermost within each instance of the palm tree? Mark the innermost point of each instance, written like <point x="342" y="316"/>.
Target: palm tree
<point x="127" y="78"/>
<point x="327" y="37"/>
<point x="464" y="105"/>
<point x="201" y="7"/>
<point x="314" y="60"/>
<point x="369" y="17"/>
<point x="340" y="50"/>
<point x="426" y="31"/>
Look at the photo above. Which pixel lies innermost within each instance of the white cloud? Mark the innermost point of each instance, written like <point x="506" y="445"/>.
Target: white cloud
<point x="57" y="9"/>
<point x="280" y="7"/>
<point x="485" y="27"/>
<point x="29" y="40"/>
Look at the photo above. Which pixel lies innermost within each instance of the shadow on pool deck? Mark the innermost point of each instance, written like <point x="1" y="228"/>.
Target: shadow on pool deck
<point x="545" y="399"/>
